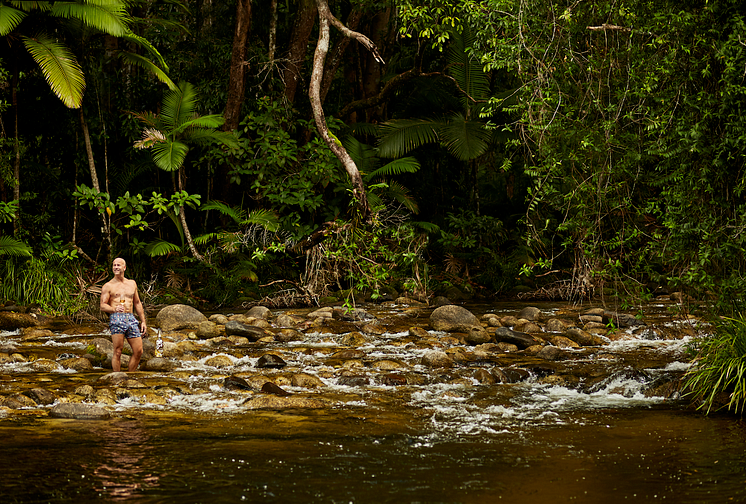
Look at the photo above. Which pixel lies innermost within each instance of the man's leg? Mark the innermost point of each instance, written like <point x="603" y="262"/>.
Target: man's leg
<point x="136" y="344"/>
<point x="116" y="358"/>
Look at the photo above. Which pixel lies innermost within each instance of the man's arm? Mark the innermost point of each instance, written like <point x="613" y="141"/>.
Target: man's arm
<point x="105" y="297"/>
<point x="138" y="308"/>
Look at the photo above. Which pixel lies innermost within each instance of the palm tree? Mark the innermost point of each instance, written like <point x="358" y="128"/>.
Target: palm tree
<point x="27" y="23"/>
<point x="463" y="132"/>
<point x="170" y="133"/>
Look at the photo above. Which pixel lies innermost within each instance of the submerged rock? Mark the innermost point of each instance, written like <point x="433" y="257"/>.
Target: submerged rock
<point x="271" y="401"/>
<point x="79" y="411"/>
<point x="253" y="333"/>
<point x="270" y="360"/>
<point x="436" y="358"/>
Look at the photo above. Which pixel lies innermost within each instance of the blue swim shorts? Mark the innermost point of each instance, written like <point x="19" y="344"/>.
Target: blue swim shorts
<point x="124" y="323"/>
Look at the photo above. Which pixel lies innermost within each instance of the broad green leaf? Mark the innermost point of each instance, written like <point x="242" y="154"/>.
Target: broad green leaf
<point x="402" y="136"/>
<point x="169" y="155"/>
<point x="108" y="16"/>
<point x="60" y="68"/>
<point x="9" y="19"/>
<point x="11" y="246"/>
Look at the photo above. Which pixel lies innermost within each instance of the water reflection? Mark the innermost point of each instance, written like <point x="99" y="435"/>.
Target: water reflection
<point x="122" y="467"/>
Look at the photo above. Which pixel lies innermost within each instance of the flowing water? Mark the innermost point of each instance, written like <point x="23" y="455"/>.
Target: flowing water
<point x="602" y="425"/>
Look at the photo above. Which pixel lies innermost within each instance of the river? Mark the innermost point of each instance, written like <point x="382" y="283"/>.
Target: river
<point x="441" y="436"/>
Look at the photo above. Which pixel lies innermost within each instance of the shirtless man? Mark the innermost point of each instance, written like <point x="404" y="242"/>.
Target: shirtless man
<point x="119" y="299"/>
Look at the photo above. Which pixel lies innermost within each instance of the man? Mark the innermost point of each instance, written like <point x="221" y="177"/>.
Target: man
<point x="119" y="298"/>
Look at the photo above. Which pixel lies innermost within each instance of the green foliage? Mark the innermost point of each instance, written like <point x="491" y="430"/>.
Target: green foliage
<point x="49" y="282"/>
<point x="717" y="377"/>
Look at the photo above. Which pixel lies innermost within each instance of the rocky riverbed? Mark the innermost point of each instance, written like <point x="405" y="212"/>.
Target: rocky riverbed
<point x="399" y="354"/>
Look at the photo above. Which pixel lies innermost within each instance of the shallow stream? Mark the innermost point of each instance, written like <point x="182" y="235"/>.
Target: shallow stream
<point x="601" y="425"/>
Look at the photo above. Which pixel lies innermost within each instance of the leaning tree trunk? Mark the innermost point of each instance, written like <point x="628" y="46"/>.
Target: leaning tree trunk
<point x="182" y="218"/>
<point x="105" y="225"/>
<point x="237" y="79"/>
<point x="322" y="48"/>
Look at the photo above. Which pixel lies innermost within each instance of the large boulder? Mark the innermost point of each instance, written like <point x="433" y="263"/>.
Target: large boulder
<point x="260" y="312"/>
<point x="584" y="338"/>
<point x="453" y="318"/>
<point x="179" y="316"/>
<point x="10" y="321"/>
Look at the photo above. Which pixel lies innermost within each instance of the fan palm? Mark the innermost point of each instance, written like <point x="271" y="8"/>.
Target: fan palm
<point x="462" y="132"/>
<point x="170" y="134"/>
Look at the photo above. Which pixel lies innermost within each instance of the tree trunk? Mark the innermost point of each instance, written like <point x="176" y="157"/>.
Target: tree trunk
<point x="182" y="217"/>
<point x="16" y="151"/>
<point x="237" y="80"/>
<point x="272" y="32"/>
<point x="105" y="225"/>
<point x="372" y="68"/>
<point x="298" y="45"/>
<point x="335" y="59"/>
<point x="314" y="92"/>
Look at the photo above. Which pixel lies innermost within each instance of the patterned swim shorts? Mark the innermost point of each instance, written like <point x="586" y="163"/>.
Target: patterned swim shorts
<point x="124" y="323"/>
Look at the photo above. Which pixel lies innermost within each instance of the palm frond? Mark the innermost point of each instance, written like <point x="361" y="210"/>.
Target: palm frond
<point x="29" y="5"/>
<point x="108" y="16"/>
<point x="397" y="166"/>
<point x="401" y="195"/>
<point x="143" y="62"/>
<point x="60" y="68"/>
<point x="466" y="140"/>
<point x="206" y="238"/>
<point x="150" y="137"/>
<point x="12" y="247"/>
<point x="426" y="226"/>
<point x="178" y="105"/>
<point x="366" y="129"/>
<point x="265" y="218"/>
<point x="160" y="247"/>
<point x="169" y="155"/>
<point x="362" y="154"/>
<point x="466" y="68"/>
<point x="404" y="135"/>
<point x="9" y="19"/>
<point x="144" y="43"/>
<point x="237" y="214"/>
<point x="207" y="136"/>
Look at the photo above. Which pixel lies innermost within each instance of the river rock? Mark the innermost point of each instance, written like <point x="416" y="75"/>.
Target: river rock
<point x="236" y="383"/>
<point x="77" y="363"/>
<point x="270" y="360"/>
<point x="45" y="366"/>
<point x="550" y="353"/>
<point x="477" y="336"/>
<point x="622" y="319"/>
<point x="112" y="378"/>
<point x="218" y="318"/>
<point x="286" y="320"/>
<point x="386" y="365"/>
<point x="179" y="317"/>
<point x="260" y="312"/>
<point x="520" y="339"/>
<point x="453" y="318"/>
<point x="418" y="332"/>
<point x="353" y="339"/>
<point x="355" y="315"/>
<point x="85" y="391"/>
<point x="484" y="377"/>
<point x="41" y="395"/>
<point x="219" y="361"/>
<point x="353" y="381"/>
<point x="10" y="321"/>
<point x="556" y="325"/>
<point x="206" y="330"/>
<point x="158" y="364"/>
<point x="286" y="335"/>
<point x="436" y="358"/>
<point x="562" y="342"/>
<point x="505" y="347"/>
<point x="306" y="381"/>
<point x="393" y="380"/>
<point x="509" y="321"/>
<point x="80" y="411"/>
<point x="105" y="396"/>
<point x="254" y="333"/>
<point x="439" y="301"/>
<point x="510" y="375"/>
<point x="530" y="313"/>
<point x="325" y="312"/>
<point x="18" y="401"/>
<point x="272" y="388"/>
<point x="583" y="338"/>
<point x="273" y="402"/>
